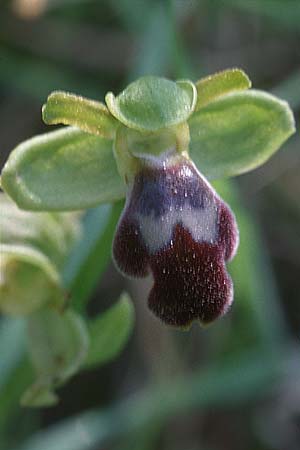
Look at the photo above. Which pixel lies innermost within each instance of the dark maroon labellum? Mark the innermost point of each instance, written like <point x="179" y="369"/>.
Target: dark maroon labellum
<point x="175" y="227"/>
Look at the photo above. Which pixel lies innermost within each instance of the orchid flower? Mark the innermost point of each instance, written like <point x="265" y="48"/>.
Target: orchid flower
<point x="157" y="143"/>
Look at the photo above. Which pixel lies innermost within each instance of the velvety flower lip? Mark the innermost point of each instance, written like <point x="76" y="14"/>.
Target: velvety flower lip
<point x="176" y="227"/>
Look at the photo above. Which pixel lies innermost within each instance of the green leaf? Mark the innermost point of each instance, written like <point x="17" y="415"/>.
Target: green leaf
<point x="219" y="84"/>
<point x="238" y="132"/>
<point x="62" y="170"/>
<point x="12" y="346"/>
<point x="86" y="114"/>
<point x="19" y="378"/>
<point x="28" y="280"/>
<point x="110" y="332"/>
<point x="92" y="254"/>
<point x="253" y="280"/>
<point x="152" y="103"/>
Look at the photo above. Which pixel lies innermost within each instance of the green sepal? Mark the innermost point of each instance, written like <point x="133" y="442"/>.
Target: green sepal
<point x="152" y="103"/>
<point x="28" y="280"/>
<point x="238" y="132"/>
<point x="88" y="115"/>
<point x="214" y="86"/>
<point x="62" y="170"/>
<point x="109" y="332"/>
<point x="58" y="345"/>
<point x="52" y="234"/>
<point x="39" y="395"/>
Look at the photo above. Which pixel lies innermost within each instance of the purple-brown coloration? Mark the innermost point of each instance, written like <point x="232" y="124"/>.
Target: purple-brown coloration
<point x="175" y="227"/>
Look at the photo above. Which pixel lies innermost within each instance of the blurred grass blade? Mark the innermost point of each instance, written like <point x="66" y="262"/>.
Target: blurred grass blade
<point x="285" y="12"/>
<point x="88" y="115"/>
<point x="36" y="76"/>
<point x="109" y="332"/>
<point x="155" y="44"/>
<point x="92" y="254"/>
<point x="238" y="132"/>
<point x="289" y="88"/>
<point x="234" y="383"/>
<point x="256" y="296"/>
<point x="219" y="84"/>
<point x="12" y="332"/>
<point x="62" y="170"/>
<point x="19" y="378"/>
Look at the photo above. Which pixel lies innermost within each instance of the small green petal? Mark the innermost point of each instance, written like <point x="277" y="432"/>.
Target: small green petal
<point x="219" y="84"/>
<point x="152" y="103"/>
<point x="62" y="170"/>
<point x="191" y="91"/>
<point x="88" y="115"/>
<point x="238" y="132"/>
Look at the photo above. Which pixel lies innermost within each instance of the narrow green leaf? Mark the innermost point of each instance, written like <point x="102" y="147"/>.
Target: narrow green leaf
<point x="238" y="132"/>
<point x="151" y="103"/>
<point x="19" y="378"/>
<point x="62" y="170"/>
<point x="253" y="281"/>
<point x="92" y="254"/>
<point x="219" y="84"/>
<point x="109" y="332"/>
<point x="12" y="346"/>
<point x="88" y="115"/>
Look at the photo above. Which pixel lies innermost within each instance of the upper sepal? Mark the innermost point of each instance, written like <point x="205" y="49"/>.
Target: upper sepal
<point x="153" y="103"/>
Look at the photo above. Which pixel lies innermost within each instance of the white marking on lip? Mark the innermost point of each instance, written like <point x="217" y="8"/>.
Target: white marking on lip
<point x="202" y="223"/>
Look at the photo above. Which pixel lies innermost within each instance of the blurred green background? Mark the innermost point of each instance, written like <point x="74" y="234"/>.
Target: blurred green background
<point x="236" y="384"/>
